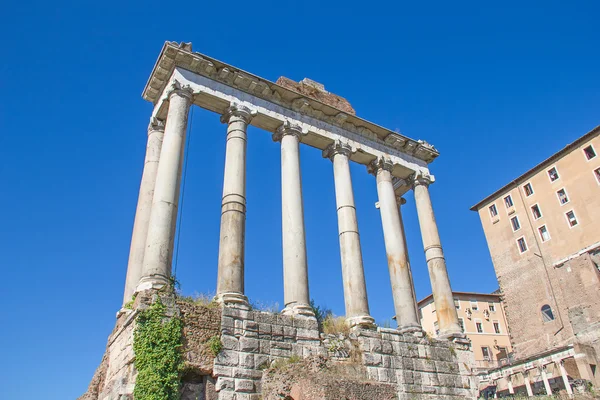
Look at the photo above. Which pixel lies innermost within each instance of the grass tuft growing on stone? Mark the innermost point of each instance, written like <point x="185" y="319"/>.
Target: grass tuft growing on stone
<point x="333" y="325"/>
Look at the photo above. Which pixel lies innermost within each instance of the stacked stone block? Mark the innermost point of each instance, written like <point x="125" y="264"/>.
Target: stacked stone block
<point x="420" y="368"/>
<point x="252" y="340"/>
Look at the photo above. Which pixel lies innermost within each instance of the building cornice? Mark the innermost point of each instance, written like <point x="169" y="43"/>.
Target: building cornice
<point x="175" y="55"/>
<point x="547" y="162"/>
<point x="429" y="297"/>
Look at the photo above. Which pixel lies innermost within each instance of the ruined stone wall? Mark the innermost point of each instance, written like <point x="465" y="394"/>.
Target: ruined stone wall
<point x="377" y="363"/>
<point x="253" y="341"/>
<point x="115" y="377"/>
<point x="579" y="281"/>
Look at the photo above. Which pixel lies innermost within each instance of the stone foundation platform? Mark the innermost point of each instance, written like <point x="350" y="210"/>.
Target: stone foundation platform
<point x="258" y="348"/>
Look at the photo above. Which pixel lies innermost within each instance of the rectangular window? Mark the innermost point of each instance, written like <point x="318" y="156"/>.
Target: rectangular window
<point x="474" y="305"/>
<point x="522" y="245"/>
<point x="535" y="210"/>
<point x="479" y="326"/>
<point x="492" y="307"/>
<point x="493" y="211"/>
<point x="436" y="328"/>
<point x="553" y="174"/>
<point x="597" y="174"/>
<point x="461" y="322"/>
<point x="457" y="304"/>
<point x="562" y="196"/>
<point x="486" y="353"/>
<point x="508" y="201"/>
<point x="528" y="189"/>
<point x="515" y="223"/>
<point x="496" y="326"/>
<point x="571" y="218"/>
<point x="544" y="233"/>
<point x="589" y="152"/>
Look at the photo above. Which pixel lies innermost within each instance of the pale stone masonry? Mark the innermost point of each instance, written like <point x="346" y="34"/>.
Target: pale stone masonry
<point x="416" y="367"/>
<point x="296" y="114"/>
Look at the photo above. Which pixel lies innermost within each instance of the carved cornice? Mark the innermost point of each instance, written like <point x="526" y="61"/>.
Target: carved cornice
<point x="238" y="110"/>
<point x="338" y="147"/>
<point x="180" y="55"/>
<point x="176" y="88"/>
<point x="156" y="125"/>
<point x="422" y="179"/>
<point x="378" y="164"/>
<point x="289" y="129"/>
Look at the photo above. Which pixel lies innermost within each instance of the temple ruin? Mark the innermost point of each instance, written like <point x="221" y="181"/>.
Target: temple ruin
<point x="401" y="362"/>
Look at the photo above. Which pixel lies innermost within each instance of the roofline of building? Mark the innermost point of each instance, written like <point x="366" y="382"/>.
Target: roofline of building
<point x="547" y="161"/>
<point x="428" y="297"/>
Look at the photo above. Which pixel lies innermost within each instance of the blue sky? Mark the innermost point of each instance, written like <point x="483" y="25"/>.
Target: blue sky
<point x="496" y="88"/>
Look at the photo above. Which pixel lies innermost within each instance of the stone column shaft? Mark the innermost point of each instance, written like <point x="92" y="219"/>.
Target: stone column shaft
<point x="163" y="217"/>
<point x="527" y="385"/>
<point x="156" y="130"/>
<point x="565" y="378"/>
<point x="295" y="267"/>
<point x="230" y="282"/>
<point x="436" y="264"/>
<point x="395" y="248"/>
<point x="355" y="288"/>
<point x="511" y="390"/>
<point x="546" y="383"/>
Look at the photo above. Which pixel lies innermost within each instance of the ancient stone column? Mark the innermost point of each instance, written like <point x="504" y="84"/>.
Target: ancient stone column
<point x="295" y="268"/>
<point x="158" y="257"/>
<point x="511" y="390"/>
<point x="436" y="264"/>
<point x="527" y="384"/>
<point x="230" y="282"/>
<point x="156" y="130"/>
<point x="400" y="201"/>
<point x="395" y="248"/>
<point x="565" y="377"/>
<point x="355" y="289"/>
<point x="545" y="380"/>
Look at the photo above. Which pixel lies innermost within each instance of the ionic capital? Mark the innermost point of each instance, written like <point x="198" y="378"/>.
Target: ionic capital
<point x="240" y="111"/>
<point x="289" y="129"/>
<point x="338" y="147"/>
<point x="156" y="125"/>
<point x="421" y="178"/>
<point x="380" y="163"/>
<point x="176" y="88"/>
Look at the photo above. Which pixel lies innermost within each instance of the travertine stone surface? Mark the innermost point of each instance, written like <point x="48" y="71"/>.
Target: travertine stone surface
<point x="163" y="217"/>
<point x="230" y="282"/>
<point x="395" y="248"/>
<point x="156" y="130"/>
<point x="316" y="91"/>
<point x="253" y="340"/>
<point x="436" y="264"/>
<point x="295" y="267"/>
<point x="355" y="290"/>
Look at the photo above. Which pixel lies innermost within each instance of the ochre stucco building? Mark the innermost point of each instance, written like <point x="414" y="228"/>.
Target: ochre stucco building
<point x="482" y="319"/>
<point x="543" y="233"/>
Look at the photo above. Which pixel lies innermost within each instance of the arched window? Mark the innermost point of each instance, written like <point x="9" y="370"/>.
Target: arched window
<point x="547" y="314"/>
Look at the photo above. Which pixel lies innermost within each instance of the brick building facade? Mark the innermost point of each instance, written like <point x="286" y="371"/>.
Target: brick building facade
<point x="543" y="233"/>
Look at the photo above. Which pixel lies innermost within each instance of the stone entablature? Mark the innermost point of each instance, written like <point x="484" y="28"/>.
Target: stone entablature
<point x="176" y="56"/>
